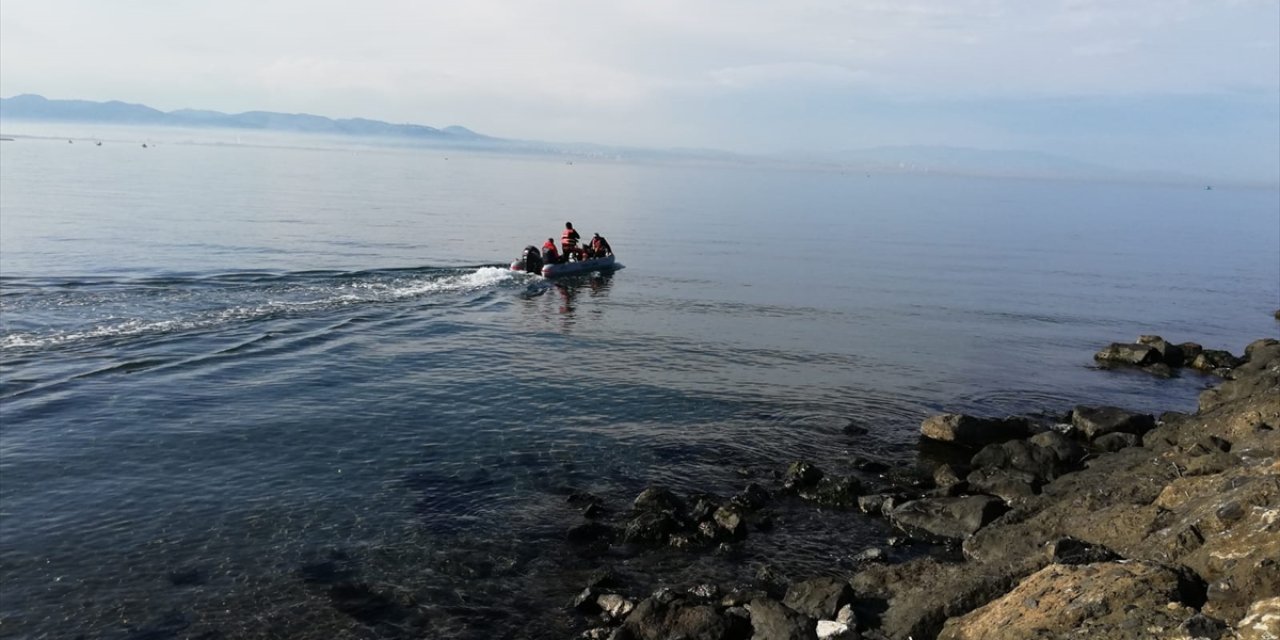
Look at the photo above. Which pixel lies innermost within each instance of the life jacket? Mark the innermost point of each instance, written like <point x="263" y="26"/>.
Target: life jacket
<point x="569" y="238"/>
<point x="598" y="244"/>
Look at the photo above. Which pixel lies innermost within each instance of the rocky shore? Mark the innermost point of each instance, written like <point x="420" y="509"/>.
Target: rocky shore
<point x="1099" y="523"/>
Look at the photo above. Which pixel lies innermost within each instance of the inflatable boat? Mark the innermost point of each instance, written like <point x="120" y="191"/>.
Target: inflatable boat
<point x="570" y="268"/>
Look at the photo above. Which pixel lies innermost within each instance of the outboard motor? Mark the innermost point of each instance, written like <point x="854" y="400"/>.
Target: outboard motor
<point x="532" y="260"/>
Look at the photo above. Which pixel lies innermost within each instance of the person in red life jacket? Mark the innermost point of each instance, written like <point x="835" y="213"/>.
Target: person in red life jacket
<point x="549" y="254"/>
<point x="569" y="241"/>
<point x="600" y="247"/>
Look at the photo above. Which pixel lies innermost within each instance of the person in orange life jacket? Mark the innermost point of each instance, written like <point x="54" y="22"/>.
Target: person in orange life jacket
<point x="549" y="254"/>
<point x="599" y="247"/>
<point x="569" y="241"/>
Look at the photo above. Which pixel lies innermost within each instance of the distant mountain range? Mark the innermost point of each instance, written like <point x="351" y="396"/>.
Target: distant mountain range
<point x="902" y="159"/>
<point x="34" y="107"/>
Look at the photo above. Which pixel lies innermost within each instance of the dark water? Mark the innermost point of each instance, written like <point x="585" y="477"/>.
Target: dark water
<point x="234" y="376"/>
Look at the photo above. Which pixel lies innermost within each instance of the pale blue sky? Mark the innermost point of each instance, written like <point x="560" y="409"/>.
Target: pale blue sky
<point x="1173" y="85"/>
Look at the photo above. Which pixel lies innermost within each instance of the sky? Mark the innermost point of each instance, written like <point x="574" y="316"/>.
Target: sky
<point x="1165" y="85"/>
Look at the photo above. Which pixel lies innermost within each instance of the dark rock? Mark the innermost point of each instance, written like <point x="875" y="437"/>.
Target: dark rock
<point x="801" y="475"/>
<point x="1202" y="626"/>
<point x="771" y="620"/>
<point x="592" y="511"/>
<point x="1067" y="451"/>
<point x="948" y="517"/>
<point x="855" y="428"/>
<point x="1160" y="370"/>
<point x="1190" y="351"/>
<point x="651" y="527"/>
<point x="661" y="618"/>
<point x="583" y="498"/>
<point x="869" y="466"/>
<point x="658" y="499"/>
<point x="703" y="506"/>
<point x="1171" y="355"/>
<point x="870" y="554"/>
<point x="1131" y="354"/>
<point x="839" y="491"/>
<point x="1098" y="421"/>
<point x="751" y="498"/>
<point x="1072" y="551"/>
<point x="1116" y="441"/>
<point x="1008" y="484"/>
<point x="871" y="504"/>
<point x="1264" y="343"/>
<point x="972" y="431"/>
<point x="585" y="602"/>
<point x="945" y="476"/>
<point x="819" y="598"/>
<point x="591" y="532"/>
<point x="730" y="520"/>
<point x="1214" y="360"/>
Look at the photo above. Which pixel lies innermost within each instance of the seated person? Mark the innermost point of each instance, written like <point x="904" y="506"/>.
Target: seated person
<point x="549" y="253"/>
<point x="600" y="247"/>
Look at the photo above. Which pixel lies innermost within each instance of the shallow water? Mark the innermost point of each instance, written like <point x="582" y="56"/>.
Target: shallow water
<point x="237" y="376"/>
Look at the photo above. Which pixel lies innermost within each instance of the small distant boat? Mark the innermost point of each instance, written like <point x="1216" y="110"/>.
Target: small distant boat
<point x="1208" y="188"/>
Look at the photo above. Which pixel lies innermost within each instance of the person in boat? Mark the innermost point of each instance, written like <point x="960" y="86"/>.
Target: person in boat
<point x="569" y="241"/>
<point x="599" y="247"/>
<point x="549" y="253"/>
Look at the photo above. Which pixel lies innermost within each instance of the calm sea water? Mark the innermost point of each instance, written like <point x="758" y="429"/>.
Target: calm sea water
<point x="232" y="375"/>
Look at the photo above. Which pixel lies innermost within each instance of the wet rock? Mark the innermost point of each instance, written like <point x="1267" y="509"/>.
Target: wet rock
<point x="1067" y="451"/>
<point x="591" y="532"/>
<point x="752" y="498"/>
<point x="373" y="607"/>
<point x="819" y="597"/>
<point x="593" y="511"/>
<point x="1190" y="350"/>
<point x="973" y="431"/>
<point x="650" y="528"/>
<point x="834" y="491"/>
<point x="1116" y="441"/>
<point x="870" y="554"/>
<point x="1214" y="361"/>
<point x="869" y="466"/>
<point x="586" y="602"/>
<point x="702" y="506"/>
<point x="1093" y="422"/>
<point x="770" y="619"/>
<point x="1171" y="355"/>
<point x="872" y="504"/>
<point x="1128" y="354"/>
<point x="801" y="475"/>
<point x="730" y="520"/>
<point x="947" y="517"/>
<point x="658" y="499"/>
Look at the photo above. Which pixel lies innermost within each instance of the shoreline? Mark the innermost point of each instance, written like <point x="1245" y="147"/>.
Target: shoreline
<point x="1100" y="522"/>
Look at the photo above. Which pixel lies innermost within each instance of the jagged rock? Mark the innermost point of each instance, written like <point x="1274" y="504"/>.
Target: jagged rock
<point x="1214" y="360"/>
<point x="658" y="499"/>
<point x="1190" y="350"/>
<point x="773" y="621"/>
<point x="972" y="431"/>
<point x="730" y="520"/>
<point x="614" y="606"/>
<point x="1102" y="600"/>
<point x="663" y="617"/>
<point x="872" y="504"/>
<point x="1009" y="485"/>
<point x="1171" y="355"/>
<point x="801" y="475"/>
<point x="751" y="498"/>
<point x="945" y="476"/>
<point x="1068" y="451"/>
<point x="651" y="527"/>
<point x="947" y="517"/>
<point x="1020" y="455"/>
<point x="1131" y="354"/>
<point x="1099" y="421"/>
<point x="819" y="597"/>
<point x="1262" y="621"/>
<point x="1116" y="441"/>
<point x="1072" y="551"/>
<point x="834" y="491"/>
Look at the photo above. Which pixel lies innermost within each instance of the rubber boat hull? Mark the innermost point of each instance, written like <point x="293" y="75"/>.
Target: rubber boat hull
<point x="570" y="268"/>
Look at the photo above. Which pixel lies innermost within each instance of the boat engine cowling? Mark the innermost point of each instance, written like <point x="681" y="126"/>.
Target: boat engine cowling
<point x="532" y="259"/>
